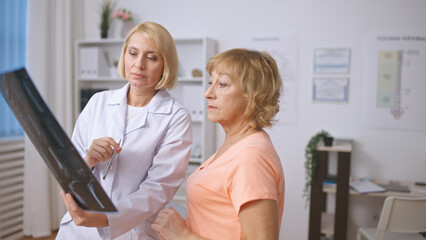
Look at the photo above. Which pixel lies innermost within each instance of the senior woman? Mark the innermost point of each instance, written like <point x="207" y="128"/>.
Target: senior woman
<point x="238" y="193"/>
<point x="155" y="134"/>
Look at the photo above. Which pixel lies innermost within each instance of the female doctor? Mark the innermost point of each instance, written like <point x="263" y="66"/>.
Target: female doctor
<point x="156" y="138"/>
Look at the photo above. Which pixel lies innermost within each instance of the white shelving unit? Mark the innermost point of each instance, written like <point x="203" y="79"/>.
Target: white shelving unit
<point x="94" y="70"/>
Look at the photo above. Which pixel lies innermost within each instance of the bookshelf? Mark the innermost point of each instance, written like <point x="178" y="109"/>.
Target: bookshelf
<point x="322" y="222"/>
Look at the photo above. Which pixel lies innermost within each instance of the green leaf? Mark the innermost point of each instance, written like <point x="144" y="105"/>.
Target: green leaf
<point x="311" y="161"/>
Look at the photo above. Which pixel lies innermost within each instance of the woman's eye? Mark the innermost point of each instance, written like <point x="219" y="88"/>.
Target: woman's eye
<point x="132" y="54"/>
<point x="151" y="57"/>
<point x="223" y="84"/>
<point x="210" y="83"/>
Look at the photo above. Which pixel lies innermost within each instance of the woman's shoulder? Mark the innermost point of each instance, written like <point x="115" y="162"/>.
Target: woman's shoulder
<point x="258" y="139"/>
<point x="258" y="144"/>
<point x="167" y="102"/>
<point x="253" y="145"/>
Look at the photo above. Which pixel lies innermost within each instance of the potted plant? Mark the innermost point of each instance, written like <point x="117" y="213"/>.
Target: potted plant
<point x="105" y="18"/>
<point x="311" y="158"/>
<point x="126" y="17"/>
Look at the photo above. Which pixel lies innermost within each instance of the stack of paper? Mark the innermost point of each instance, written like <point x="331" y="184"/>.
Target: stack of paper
<point x="366" y="187"/>
<point x="395" y="188"/>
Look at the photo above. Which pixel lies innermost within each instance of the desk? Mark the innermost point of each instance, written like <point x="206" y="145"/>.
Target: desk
<point x="327" y="219"/>
<point x="323" y="222"/>
<point x="415" y="191"/>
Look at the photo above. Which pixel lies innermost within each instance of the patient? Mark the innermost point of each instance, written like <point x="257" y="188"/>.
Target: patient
<point x="238" y="193"/>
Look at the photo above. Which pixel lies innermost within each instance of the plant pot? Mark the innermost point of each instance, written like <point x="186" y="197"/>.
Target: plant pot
<point x="104" y="34"/>
<point x="125" y="28"/>
<point x="328" y="141"/>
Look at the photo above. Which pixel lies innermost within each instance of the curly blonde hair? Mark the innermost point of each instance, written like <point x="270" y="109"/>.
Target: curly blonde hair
<point x="165" y="47"/>
<point x="258" y="77"/>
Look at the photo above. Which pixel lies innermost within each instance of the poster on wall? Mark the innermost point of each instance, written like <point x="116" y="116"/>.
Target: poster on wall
<point x="332" y="60"/>
<point x="285" y="51"/>
<point x="330" y="89"/>
<point x="395" y="81"/>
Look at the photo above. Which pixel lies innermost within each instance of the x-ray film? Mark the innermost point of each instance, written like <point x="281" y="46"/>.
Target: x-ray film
<point x="53" y="144"/>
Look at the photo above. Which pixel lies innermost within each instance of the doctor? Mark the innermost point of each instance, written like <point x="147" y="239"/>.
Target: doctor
<point x="156" y="137"/>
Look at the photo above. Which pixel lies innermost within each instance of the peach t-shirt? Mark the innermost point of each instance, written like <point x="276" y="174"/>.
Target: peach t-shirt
<point x="249" y="170"/>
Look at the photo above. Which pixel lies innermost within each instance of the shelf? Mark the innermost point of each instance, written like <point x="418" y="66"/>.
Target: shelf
<point x="192" y="41"/>
<point x="321" y="220"/>
<point x="331" y="188"/>
<point x="101" y="41"/>
<point x="196" y="160"/>
<point x="102" y="79"/>
<point x="339" y="145"/>
<point x="179" y="199"/>
<point x="190" y="79"/>
<point x="197" y="121"/>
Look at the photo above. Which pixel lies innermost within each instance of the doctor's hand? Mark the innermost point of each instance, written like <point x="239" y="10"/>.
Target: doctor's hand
<point x="82" y="217"/>
<point x="101" y="150"/>
<point x="170" y="225"/>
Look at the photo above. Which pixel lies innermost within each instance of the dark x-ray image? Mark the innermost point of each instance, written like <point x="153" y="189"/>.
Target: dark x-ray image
<point x="53" y="144"/>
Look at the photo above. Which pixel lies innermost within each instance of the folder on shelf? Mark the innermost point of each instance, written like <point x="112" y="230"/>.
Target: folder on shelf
<point x="366" y="187"/>
<point x="88" y="62"/>
<point x="52" y="143"/>
<point x="191" y="95"/>
<point x="93" y="63"/>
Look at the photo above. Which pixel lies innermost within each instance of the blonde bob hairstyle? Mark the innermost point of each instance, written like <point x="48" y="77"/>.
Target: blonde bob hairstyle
<point x="258" y="77"/>
<point x="164" y="45"/>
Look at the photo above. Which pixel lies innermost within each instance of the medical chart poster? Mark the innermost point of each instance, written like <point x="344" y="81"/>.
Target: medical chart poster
<point x="285" y="50"/>
<point x="395" y="81"/>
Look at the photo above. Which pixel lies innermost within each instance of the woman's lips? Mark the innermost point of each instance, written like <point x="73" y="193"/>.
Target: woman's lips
<point x="137" y="75"/>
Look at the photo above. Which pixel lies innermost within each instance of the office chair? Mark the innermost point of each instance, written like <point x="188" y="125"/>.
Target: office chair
<point x="401" y="218"/>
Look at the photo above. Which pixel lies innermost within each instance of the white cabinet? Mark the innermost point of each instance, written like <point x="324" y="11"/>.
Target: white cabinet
<point x="95" y="71"/>
<point x="193" y="56"/>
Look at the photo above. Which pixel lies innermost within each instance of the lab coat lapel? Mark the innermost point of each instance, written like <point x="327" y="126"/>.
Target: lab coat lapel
<point x="161" y="103"/>
<point x="117" y="104"/>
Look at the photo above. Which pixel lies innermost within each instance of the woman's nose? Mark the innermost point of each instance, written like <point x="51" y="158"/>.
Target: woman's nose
<point x="208" y="94"/>
<point x="139" y="63"/>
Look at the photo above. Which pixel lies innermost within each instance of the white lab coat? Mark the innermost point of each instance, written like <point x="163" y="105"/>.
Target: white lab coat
<point x="148" y="171"/>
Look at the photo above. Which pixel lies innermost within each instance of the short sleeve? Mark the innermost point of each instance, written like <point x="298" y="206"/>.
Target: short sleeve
<point x="254" y="178"/>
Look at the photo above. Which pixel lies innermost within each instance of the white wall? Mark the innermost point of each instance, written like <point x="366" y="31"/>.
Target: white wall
<point x="386" y="154"/>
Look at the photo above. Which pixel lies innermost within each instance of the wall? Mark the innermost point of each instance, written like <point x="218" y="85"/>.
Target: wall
<point x="385" y="154"/>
